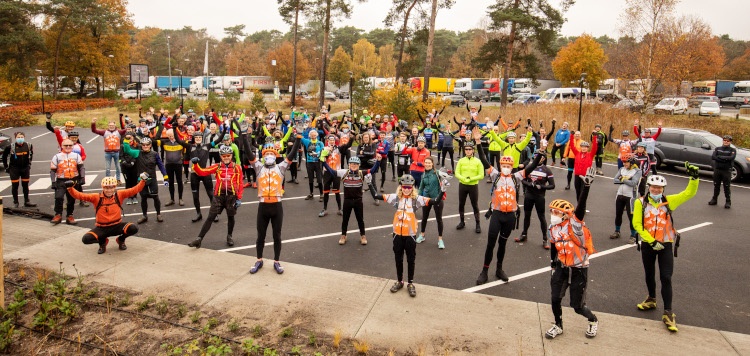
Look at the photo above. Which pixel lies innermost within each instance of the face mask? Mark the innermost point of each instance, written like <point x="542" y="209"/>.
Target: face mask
<point x="345" y="130"/>
<point x="655" y="197"/>
<point x="269" y="160"/>
<point x="554" y="219"/>
<point x="505" y="171"/>
<point x="20" y="140"/>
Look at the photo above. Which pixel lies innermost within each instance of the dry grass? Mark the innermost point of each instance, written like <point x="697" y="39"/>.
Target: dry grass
<point x="337" y="336"/>
<point x="362" y="347"/>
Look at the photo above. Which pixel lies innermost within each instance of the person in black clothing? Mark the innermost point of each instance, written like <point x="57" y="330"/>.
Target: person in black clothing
<point x="602" y="139"/>
<point x="127" y="165"/>
<point x="147" y="161"/>
<point x="202" y="152"/>
<point x="21" y="154"/>
<point x="723" y="158"/>
<point x="173" y="156"/>
<point x="353" y="180"/>
<point x="536" y="184"/>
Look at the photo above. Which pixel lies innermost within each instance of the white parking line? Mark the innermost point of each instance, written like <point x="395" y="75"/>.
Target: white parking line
<point x="7" y="128"/>
<point x="547" y="269"/>
<point x="37" y="136"/>
<point x="92" y="139"/>
<point x="388" y="226"/>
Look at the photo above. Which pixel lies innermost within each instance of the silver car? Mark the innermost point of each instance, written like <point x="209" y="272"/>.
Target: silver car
<point x="709" y="108"/>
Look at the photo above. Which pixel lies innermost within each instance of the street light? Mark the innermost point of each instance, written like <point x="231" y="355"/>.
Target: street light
<point x="351" y="91"/>
<point x="169" y="64"/>
<point x="41" y="83"/>
<point x="138" y="85"/>
<point x="580" y="101"/>
<point x="275" y="82"/>
<point x="180" y="91"/>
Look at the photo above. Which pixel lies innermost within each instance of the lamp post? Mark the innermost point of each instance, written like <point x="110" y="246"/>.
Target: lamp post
<point x="180" y="91"/>
<point x="138" y="85"/>
<point x="580" y="101"/>
<point x="351" y="91"/>
<point x="169" y="65"/>
<point x="41" y="84"/>
<point x="276" y="93"/>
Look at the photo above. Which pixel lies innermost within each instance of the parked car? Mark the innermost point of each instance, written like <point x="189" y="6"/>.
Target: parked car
<point x="677" y="145"/>
<point x="4" y="142"/>
<point x="709" y="108"/>
<point x="329" y="96"/>
<point x="629" y="104"/>
<point x="734" y="101"/>
<point x="342" y="94"/>
<point x="130" y="94"/>
<point x="65" y="91"/>
<point x="146" y="93"/>
<point x="526" y="99"/>
<point x="5" y="105"/>
<point x="671" y="106"/>
<point x="477" y="95"/>
<point x="455" y="100"/>
<point x="696" y="101"/>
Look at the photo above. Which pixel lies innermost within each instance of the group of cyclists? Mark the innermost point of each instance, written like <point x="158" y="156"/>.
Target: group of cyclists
<point x="228" y="153"/>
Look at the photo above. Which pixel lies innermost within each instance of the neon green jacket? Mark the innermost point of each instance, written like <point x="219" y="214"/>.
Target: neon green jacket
<point x="469" y="171"/>
<point x="674" y="200"/>
<point x="513" y="150"/>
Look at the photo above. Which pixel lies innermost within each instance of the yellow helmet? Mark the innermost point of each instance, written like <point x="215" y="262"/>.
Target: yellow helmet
<point x="109" y="182"/>
<point x="561" y="204"/>
<point x="70" y="124"/>
<point x="506" y="160"/>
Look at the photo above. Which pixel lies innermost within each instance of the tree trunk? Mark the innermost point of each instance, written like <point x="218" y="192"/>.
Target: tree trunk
<point x="57" y="57"/>
<point x="509" y="60"/>
<point x="326" y="34"/>
<point x="430" y="47"/>
<point x="294" y="56"/>
<point x="399" y="70"/>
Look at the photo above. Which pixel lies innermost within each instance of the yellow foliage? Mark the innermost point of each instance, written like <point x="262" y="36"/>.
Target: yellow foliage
<point x="365" y="61"/>
<point x="362" y="347"/>
<point x="283" y="72"/>
<point x="584" y="55"/>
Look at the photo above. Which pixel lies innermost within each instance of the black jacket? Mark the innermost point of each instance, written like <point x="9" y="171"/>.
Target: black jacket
<point x="723" y="157"/>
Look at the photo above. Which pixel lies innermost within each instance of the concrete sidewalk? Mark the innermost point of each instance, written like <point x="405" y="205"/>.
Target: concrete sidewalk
<point x="436" y="321"/>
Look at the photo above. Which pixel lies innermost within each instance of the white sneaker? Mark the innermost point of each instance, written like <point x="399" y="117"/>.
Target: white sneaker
<point x="554" y="331"/>
<point x="420" y="238"/>
<point x="591" y="331"/>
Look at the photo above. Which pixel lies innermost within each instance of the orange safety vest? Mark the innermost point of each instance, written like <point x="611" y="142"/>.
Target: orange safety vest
<point x="657" y="222"/>
<point x="570" y="250"/>
<point x="66" y="165"/>
<point x="270" y="188"/>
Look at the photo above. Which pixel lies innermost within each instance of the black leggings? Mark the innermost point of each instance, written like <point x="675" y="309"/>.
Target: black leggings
<point x="578" y="184"/>
<point x="438" y="216"/>
<point x="576" y="279"/>
<point x="195" y="182"/>
<point x="131" y="176"/>
<point x="21" y="175"/>
<point x="186" y="170"/>
<point x="556" y="149"/>
<point x="447" y="151"/>
<point x="219" y="203"/>
<point x="571" y="165"/>
<point x="314" y="171"/>
<point x="599" y="161"/>
<point x="652" y="162"/>
<point x="383" y="169"/>
<point x="61" y="193"/>
<point x="495" y="158"/>
<point x="531" y="201"/>
<point x="406" y="244"/>
<point x="501" y="224"/>
<point x="666" y="266"/>
<point x="151" y="190"/>
<point x="403" y="169"/>
<point x="269" y="213"/>
<point x="173" y="171"/>
<point x="100" y="234"/>
<point x="721" y="177"/>
<point x="356" y="205"/>
<point x="622" y="204"/>
<point x="473" y="192"/>
<point x="392" y="160"/>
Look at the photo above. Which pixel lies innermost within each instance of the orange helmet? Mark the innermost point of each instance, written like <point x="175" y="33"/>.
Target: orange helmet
<point x="109" y="182"/>
<point x="561" y="204"/>
<point x="70" y="124"/>
<point x="506" y="160"/>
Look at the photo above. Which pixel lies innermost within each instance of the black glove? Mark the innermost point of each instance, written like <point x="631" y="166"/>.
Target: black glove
<point x="488" y="214"/>
<point x="82" y="181"/>
<point x="69" y="183"/>
<point x="692" y="170"/>
<point x="194" y="160"/>
<point x="527" y="182"/>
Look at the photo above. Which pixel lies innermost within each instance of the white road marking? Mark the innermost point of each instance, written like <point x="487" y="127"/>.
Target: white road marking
<point x="37" y="136"/>
<point x="547" y="269"/>
<point x="92" y="139"/>
<point x="5" y="184"/>
<point x="41" y="183"/>
<point x="7" y="128"/>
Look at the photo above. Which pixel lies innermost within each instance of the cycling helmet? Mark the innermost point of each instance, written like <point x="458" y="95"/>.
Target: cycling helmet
<point x="73" y="134"/>
<point x="197" y="133"/>
<point x="657" y="180"/>
<point x="225" y="150"/>
<point x="142" y="120"/>
<point x="226" y="137"/>
<point x="585" y="144"/>
<point x="469" y="144"/>
<point x="354" y="160"/>
<point x="377" y="116"/>
<point x="598" y="126"/>
<point x="109" y="182"/>
<point x="421" y="139"/>
<point x="630" y="158"/>
<point x="626" y="133"/>
<point x="728" y="137"/>
<point x="506" y="160"/>
<point x="511" y="134"/>
<point x="70" y="124"/>
<point x="364" y="111"/>
<point x="331" y="137"/>
<point x="403" y="123"/>
<point x="641" y="144"/>
<point x="132" y="126"/>
<point x="145" y="141"/>
<point x="560" y="204"/>
<point x="406" y="179"/>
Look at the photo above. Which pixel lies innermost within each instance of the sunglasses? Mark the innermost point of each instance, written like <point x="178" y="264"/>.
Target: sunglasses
<point x="406" y="187"/>
<point x="67" y="145"/>
<point x="468" y="149"/>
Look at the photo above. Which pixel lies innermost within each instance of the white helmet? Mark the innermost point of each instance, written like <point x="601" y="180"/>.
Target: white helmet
<point x="657" y="180"/>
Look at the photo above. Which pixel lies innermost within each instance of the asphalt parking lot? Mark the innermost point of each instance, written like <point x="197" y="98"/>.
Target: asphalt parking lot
<point x="710" y="285"/>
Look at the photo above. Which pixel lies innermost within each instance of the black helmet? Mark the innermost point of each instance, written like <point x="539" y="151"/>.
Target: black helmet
<point x="728" y="138"/>
<point x="407" y="179"/>
<point x="73" y="133"/>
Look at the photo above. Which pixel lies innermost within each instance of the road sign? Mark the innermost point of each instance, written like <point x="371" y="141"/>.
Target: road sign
<point x="138" y="73"/>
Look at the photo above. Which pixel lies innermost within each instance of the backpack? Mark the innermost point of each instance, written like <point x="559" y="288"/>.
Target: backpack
<point x="99" y="204"/>
<point x="669" y="214"/>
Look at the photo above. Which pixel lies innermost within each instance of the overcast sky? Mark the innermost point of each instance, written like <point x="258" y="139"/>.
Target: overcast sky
<point x="596" y="17"/>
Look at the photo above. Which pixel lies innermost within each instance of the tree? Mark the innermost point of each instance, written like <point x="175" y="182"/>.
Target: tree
<point x="585" y="55"/>
<point x="286" y="8"/>
<point x="246" y="59"/>
<point x="387" y="62"/>
<point x="381" y="37"/>
<point x="20" y="45"/>
<point x="430" y="48"/>
<point x="234" y="33"/>
<point x="345" y="37"/>
<point x="283" y="56"/>
<point x="267" y="39"/>
<point x="738" y="68"/>
<point x="526" y="22"/>
<point x="460" y="62"/>
<point x="365" y="62"/>
<point x="400" y="11"/>
<point x="341" y="65"/>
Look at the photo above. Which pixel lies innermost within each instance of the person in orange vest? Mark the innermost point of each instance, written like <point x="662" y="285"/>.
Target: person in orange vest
<point x="112" y="140"/>
<point x="66" y="166"/>
<point x="406" y="201"/>
<point x="108" y="205"/>
<point x="503" y="213"/>
<point x="570" y="250"/>
<point x="652" y="219"/>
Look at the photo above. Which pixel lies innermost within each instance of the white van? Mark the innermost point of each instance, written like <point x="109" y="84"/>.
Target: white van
<point x="561" y="94"/>
<point x="671" y="106"/>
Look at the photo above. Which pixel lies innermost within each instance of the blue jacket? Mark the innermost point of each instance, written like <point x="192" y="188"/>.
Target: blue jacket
<point x="313" y="149"/>
<point x="562" y="136"/>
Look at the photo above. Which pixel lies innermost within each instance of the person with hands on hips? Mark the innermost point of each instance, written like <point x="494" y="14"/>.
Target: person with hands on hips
<point x="227" y="194"/>
<point x="66" y="166"/>
<point x="21" y="154"/>
<point x="652" y="219"/>
<point x="108" y="205"/>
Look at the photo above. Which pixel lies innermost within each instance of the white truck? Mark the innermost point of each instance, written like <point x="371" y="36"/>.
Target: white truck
<point x="527" y="86"/>
<point x="225" y="82"/>
<point x="199" y="85"/>
<point x="263" y="83"/>
<point x="742" y="88"/>
<point x="611" y="88"/>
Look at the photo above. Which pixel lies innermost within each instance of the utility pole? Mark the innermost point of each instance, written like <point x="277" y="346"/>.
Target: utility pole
<point x="169" y="64"/>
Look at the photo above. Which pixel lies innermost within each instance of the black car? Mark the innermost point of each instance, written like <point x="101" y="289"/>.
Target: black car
<point x="674" y="146"/>
<point x="4" y="142"/>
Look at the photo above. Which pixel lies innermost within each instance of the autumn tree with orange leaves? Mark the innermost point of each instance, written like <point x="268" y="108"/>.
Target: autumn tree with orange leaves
<point x="584" y="55"/>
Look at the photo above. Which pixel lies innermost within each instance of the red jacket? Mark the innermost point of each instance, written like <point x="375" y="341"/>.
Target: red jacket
<point x="228" y="178"/>
<point x="584" y="160"/>
<point x="417" y="157"/>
